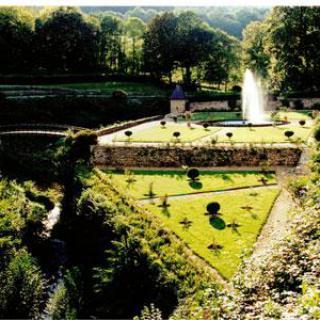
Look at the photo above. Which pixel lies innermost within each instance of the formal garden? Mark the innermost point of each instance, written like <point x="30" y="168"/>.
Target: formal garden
<point x="145" y="178"/>
<point x="299" y="125"/>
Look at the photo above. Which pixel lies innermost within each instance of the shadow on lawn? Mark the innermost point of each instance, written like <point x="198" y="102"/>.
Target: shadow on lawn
<point x="217" y="222"/>
<point x="197" y="185"/>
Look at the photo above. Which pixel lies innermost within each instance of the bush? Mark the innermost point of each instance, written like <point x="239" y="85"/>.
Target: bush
<point x="205" y="125"/>
<point x="175" y="119"/>
<point x="193" y="174"/>
<point x="119" y="94"/>
<point x="229" y="135"/>
<point x="317" y="133"/>
<point x="232" y="104"/>
<point x="285" y="103"/>
<point x="128" y="133"/>
<point x="236" y="88"/>
<point x="298" y="104"/>
<point x="316" y="106"/>
<point x="40" y="198"/>
<point x="289" y="133"/>
<point x="176" y="134"/>
<point x="163" y="123"/>
<point x="302" y="122"/>
<point x="213" y="208"/>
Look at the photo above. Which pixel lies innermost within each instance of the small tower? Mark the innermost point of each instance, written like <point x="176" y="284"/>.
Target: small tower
<point x="178" y="100"/>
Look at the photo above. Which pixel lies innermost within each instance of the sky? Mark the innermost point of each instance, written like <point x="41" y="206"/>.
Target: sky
<point x="188" y="3"/>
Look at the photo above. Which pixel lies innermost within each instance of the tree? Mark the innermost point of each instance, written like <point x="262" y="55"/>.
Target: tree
<point x="254" y="55"/>
<point x="292" y="41"/>
<point x="16" y="39"/>
<point x="213" y="208"/>
<point x="222" y="62"/>
<point x="111" y="53"/>
<point x="191" y="32"/>
<point x="193" y="174"/>
<point x="68" y="41"/>
<point x="135" y="29"/>
<point x="159" y="49"/>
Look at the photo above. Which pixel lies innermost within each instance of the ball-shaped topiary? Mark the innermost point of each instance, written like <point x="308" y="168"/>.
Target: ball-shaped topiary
<point x="163" y="123"/>
<point x="289" y="133"/>
<point x="205" y="125"/>
<point x="193" y="174"/>
<point x="176" y="134"/>
<point x="229" y="135"/>
<point x="128" y="133"/>
<point x="213" y="208"/>
<point x="302" y="122"/>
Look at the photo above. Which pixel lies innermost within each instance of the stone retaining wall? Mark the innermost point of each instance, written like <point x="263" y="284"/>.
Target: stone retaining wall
<point x="270" y="105"/>
<point x="177" y="156"/>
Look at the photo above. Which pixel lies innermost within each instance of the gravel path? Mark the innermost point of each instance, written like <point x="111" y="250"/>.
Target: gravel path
<point x="276" y="226"/>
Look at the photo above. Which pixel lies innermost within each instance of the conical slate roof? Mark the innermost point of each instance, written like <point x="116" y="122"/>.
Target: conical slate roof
<point x="178" y="93"/>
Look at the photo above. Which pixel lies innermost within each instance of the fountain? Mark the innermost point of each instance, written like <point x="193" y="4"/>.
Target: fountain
<point x="253" y="104"/>
<point x="252" y="99"/>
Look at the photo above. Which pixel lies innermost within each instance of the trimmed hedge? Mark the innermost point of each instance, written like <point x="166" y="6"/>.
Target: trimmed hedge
<point x="88" y="112"/>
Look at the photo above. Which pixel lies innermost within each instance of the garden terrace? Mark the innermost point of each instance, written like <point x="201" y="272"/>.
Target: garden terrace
<point x="233" y="230"/>
<point x="247" y="209"/>
<point x="154" y="132"/>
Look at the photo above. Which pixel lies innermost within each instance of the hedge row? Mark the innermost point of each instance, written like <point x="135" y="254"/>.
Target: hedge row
<point x="88" y="112"/>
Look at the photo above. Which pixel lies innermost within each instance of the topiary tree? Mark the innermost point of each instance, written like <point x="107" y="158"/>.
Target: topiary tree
<point x="213" y="208"/>
<point x="176" y="134"/>
<point x="289" y="134"/>
<point x="205" y="125"/>
<point x="229" y="135"/>
<point x="302" y="122"/>
<point x="250" y="125"/>
<point x="163" y="123"/>
<point x="175" y="119"/>
<point x="128" y="133"/>
<point x="193" y="174"/>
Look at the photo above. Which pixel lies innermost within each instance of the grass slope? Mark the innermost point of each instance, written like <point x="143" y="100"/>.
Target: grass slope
<point x="202" y="232"/>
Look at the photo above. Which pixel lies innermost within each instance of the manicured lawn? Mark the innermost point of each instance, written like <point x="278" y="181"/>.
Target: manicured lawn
<point x="177" y="182"/>
<point x="202" y="232"/>
<point x="159" y="134"/>
<point x="264" y="134"/>
<point x="132" y="88"/>
<point x="295" y="115"/>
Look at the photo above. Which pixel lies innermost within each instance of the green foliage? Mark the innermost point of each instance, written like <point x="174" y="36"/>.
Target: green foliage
<point x="22" y="287"/>
<point x="193" y="174"/>
<point x="317" y="133"/>
<point x="213" y="208"/>
<point x="67" y="41"/>
<point x="126" y="257"/>
<point x="289" y="133"/>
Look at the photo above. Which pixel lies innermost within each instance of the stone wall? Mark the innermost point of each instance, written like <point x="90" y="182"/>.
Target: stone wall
<point x="177" y="156"/>
<point x="272" y="104"/>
